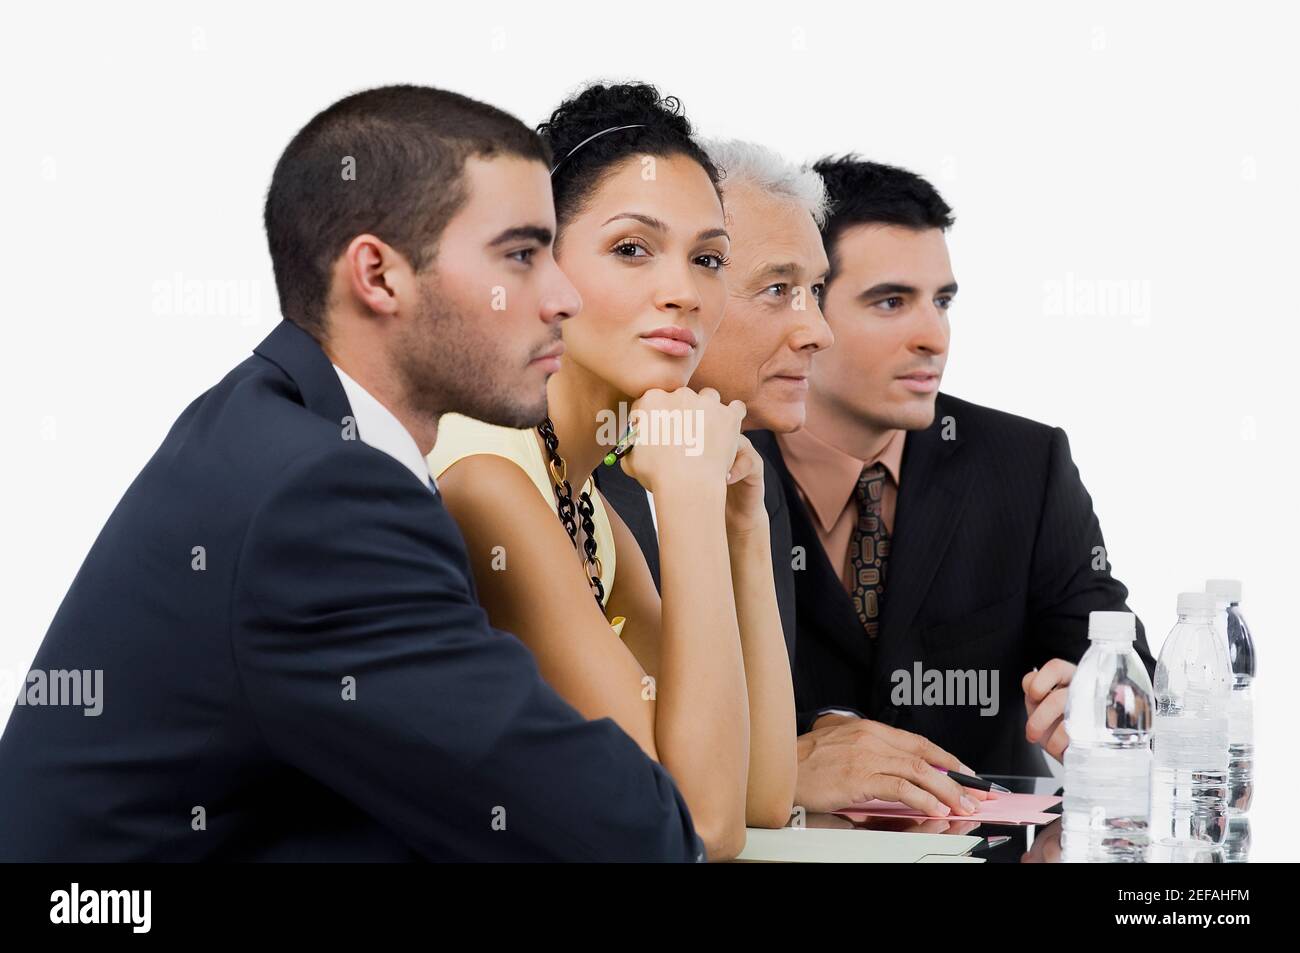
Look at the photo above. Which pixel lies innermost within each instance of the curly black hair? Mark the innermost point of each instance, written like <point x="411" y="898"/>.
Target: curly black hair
<point x="662" y="130"/>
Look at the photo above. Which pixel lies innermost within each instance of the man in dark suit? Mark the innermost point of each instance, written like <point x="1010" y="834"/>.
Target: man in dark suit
<point x="952" y="552"/>
<point x="280" y="611"/>
<point x="763" y="353"/>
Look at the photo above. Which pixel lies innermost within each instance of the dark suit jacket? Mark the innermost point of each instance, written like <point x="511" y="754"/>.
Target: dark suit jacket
<point x="223" y="687"/>
<point x="991" y="569"/>
<point x="629" y="500"/>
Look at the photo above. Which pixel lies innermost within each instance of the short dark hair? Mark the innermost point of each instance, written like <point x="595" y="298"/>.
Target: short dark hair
<point x="663" y="130"/>
<point x="872" y="193"/>
<point x="406" y="147"/>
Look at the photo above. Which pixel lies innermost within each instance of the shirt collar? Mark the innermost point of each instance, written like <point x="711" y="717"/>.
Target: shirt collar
<point x="827" y="475"/>
<point x="378" y="428"/>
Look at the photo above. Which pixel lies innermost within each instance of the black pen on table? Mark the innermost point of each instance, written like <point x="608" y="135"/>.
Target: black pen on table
<point x="971" y="781"/>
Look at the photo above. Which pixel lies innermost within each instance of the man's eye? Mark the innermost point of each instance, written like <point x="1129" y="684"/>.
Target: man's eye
<point x="819" y="291"/>
<point x="892" y="303"/>
<point x="523" y="255"/>
<point x="779" y="289"/>
<point x="944" y="302"/>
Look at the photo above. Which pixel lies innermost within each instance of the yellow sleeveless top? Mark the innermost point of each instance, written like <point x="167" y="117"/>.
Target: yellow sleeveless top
<point x="460" y="437"/>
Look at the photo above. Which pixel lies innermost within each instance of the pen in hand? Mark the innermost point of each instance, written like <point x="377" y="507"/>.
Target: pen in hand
<point x="971" y="781"/>
<point x="622" y="448"/>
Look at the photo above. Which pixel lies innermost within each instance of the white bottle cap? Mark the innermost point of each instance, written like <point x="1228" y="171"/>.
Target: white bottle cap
<point x="1195" y="602"/>
<point x="1116" y="626"/>
<point x="1225" y="590"/>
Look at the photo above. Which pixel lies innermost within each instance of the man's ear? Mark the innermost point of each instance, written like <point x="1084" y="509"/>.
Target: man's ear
<point x="379" y="277"/>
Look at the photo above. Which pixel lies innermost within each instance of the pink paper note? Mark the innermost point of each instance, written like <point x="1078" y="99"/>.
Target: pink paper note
<point x="1004" y="809"/>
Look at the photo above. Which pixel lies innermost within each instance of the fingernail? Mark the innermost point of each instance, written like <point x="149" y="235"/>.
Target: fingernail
<point x="945" y="810"/>
<point x="968" y="805"/>
<point x="967" y="770"/>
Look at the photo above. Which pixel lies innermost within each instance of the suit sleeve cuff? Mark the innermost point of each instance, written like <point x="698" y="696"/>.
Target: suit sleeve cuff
<point x="806" y="719"/>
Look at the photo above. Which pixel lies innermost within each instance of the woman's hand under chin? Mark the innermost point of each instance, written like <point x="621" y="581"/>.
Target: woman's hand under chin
<point x="687" y="442"/>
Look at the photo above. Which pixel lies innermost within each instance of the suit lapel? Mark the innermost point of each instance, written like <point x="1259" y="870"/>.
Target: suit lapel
<point x="932" y="492"/>
<point x="629" y="500"/>
<point x="821" y="600"/>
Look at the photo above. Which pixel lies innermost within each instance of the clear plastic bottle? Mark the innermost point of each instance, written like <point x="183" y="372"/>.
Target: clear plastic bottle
<point x="1108" y="716"/>
<point x="1236" y="849"/>
<point x="1241" y="712"/>
<point x="1189" y="785"/>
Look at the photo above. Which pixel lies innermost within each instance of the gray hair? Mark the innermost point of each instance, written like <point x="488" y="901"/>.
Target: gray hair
<point x="768" y="171"/>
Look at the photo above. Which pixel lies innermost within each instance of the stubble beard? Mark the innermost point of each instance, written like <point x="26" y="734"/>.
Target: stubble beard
<point x="448" y="364"/>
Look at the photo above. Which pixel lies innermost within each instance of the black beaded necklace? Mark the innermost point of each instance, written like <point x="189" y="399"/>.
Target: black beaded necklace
<point x="565" y="508"/>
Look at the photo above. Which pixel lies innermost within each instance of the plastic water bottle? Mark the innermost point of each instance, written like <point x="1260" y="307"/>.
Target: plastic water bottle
<point x="1241" y="711"/>
<point x="1108" y="716"/>
<point x="1236" y="849"/>
<point x="1189" y="787"/>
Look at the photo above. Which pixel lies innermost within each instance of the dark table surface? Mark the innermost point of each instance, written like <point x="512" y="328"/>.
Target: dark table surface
<point x="1028" y="843"/>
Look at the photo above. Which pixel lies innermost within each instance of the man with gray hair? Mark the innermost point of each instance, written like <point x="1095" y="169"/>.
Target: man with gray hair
<point x="762" y="354"/>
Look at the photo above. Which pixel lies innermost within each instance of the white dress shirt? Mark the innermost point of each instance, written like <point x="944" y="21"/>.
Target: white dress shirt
<point x="378" y="428"/>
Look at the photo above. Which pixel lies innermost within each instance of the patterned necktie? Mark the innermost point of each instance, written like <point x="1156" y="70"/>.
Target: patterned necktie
<point x="869" y="549"/>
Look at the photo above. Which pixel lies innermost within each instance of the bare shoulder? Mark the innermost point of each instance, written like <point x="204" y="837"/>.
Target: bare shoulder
<point x="501" y="513"/>
<point x="522" y="558"/>
<point x="487" y="479"/>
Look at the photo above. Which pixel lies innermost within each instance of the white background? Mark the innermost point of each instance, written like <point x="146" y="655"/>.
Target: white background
<point x="1145" y="148"/>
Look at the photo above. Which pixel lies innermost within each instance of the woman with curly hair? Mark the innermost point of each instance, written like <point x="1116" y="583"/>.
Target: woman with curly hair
<point x="698" y="678"/>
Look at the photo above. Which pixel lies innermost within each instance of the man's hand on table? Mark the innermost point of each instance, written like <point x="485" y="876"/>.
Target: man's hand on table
<point x="846" y="760"/>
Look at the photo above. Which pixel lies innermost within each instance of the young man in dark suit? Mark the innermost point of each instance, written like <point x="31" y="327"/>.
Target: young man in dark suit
<point x="280" y="611"/>
<point x="952" y="552"/>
